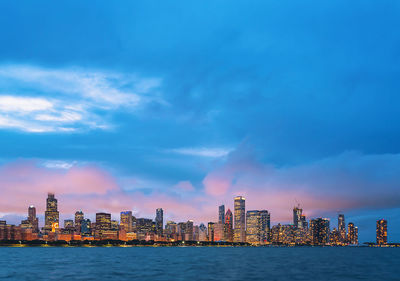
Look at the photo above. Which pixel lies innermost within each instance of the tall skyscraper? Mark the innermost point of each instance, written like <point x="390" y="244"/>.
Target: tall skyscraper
<point x="51" y="215"/>
<point x="159" y="221"/>
<point x="240" y="219"/>
<point x="127" y="220"/>
<point x="297" y="213"/>
<point x="33" y="220"/>
<point x="221" y="214"/>
<point x="85" y="227"/>
<point x="229" y="226"/>
<point x="320" y="231"/>
<point x="381" y="232"/>
<point x="342" y="228"/>
<point x="79" y="217"/>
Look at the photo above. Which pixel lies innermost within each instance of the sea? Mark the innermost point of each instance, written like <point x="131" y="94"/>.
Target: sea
<point x="199" y="263"/>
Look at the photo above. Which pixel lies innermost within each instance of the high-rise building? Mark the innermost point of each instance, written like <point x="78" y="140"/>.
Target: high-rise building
<point x="126" y="220"/>
<point x="352" y="234"/>
<point x="228" y="226"/>
<point x="381" y="232"/>
<point x="86" y="229"/>
<point x="342" y="228"/>
<point x="33" y="220"/>
<point x="211" y="231"/>
<point x="159" y="221"/>
<point x="221" y="214"/>
<point x="252" y="226"/>
<point x="189" y="231"/>
<point x="320" y="231"/>
<point x="257" y="226"/>
<point x="79" y="217"/>
<point x="51" y="215"/>
<point x="202" y="232"/>
<point x="240" y="219"/>
<point x="103" y="223"/>
<point x="297" y="213"/>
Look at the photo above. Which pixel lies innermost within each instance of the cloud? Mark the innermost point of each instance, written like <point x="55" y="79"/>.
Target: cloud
<point x="184" y="186"/>
<point x="58" y="164"/>
<point x="202" y="151"/>
<point x="68" y="100"/>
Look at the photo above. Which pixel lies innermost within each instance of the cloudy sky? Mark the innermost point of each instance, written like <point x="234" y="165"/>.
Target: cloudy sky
<point x="185" y="104"/>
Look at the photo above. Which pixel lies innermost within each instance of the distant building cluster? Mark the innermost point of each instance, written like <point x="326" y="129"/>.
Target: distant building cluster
<point x="253" y="226"/>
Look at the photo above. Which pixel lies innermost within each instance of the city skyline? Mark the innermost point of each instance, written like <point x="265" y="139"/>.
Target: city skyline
<point x="228" y="227"/>
<point x="186" y="105"/>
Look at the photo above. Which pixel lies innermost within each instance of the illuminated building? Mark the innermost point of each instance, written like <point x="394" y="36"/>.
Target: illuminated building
<point x="79" y="217"/>
<point x="228" y="229"/>
<point x="114" y="225"/>
<point x="202" y="232"/>
<point x="144" y="227"/>
<point x="171" y="230"/>
<point x="189" y="231"/>
<point x="211" y="231"/>
<point x="265" y="225"/>
<point x="33" y="219"/>
<point x="126" y="220"/>
<point x="221" y="214"/>
<point x="219" y="233"/>
<point x="297" y="214"/>
<point x="342" y="228"/>
<point x="252" y="227"/>
<point x="381" y="232"/>
<point x="159" y="221"/>
<point x="51" y="214"/>
<point x="103" y="224"/>
<point x="196" y="233"/>
<point x="320" y="231"/>
<point x="352" y="234"/>
<point x="334" y="237"/>
<point x="240" y="219"/>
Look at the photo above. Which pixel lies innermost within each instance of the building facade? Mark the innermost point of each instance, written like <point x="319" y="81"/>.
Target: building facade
<point x="240" y="219"/>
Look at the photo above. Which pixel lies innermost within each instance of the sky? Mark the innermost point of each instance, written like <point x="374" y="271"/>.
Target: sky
<point x="183" y="105"/>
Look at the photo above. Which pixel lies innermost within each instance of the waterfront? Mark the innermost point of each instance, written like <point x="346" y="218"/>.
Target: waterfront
<point x="199" y="263"/>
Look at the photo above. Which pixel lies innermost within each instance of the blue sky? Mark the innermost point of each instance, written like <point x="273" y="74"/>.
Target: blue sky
<point x="193" y="102"/>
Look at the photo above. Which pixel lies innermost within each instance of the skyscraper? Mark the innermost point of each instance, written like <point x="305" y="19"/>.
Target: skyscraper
<point x="33" y="220"/>
<point x="79" y="217"/>
<point x="257" y="226"/>
<point x="103" y="223"/>
<point x="381" y="232"/>
<point x="159" y="221"/>
<point x="85" y="227"/>
<point x="240" y="219"/>
<point x="221" y="214"/>
<point x="51" y="214"/>
<point x="342" y="228"/>
<point x="320" y="231"/>
<point x="228" y="226"/>
<point x="265" y="225"/>
<point x="126" y="220"/>
<point x="351" y="234"/>
<point x="211" y="231"/>
<point x="297" y="213"/>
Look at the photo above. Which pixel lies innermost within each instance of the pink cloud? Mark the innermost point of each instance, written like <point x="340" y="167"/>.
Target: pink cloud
<point x="184" y="186"/>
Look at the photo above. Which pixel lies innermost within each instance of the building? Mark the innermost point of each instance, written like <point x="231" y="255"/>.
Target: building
<point x="202" y="232"/>
<point x="240" y="219"/>
<point x="228" y="227"/>
<point x="69" y="224"/>
<point x="297" y="214"/>
<point x="159" y="221"/>
<point x="211" y="231"/>
<point x="34" y="221"/>
<point x="51" y="215"/>
<point x="103" y="224"/>
<point x="221" y="214"/>
<point x="381" y="232"/>
<point x="342" y="228"/>
<point x="219" y="232"/>
<point x="86" y="229"/>
<point x="352" y="234"/>
<point x="252" y="226"/>
<point x="265" y="225"/>
<point x="126" y="220"/>
<point x="79" y="217"/>
<point x="145" y="227"/>
<point x="189" y="231"/>
<point x="320" y="231"/>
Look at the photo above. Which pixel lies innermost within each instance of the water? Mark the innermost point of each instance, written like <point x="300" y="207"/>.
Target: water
<point x="200" y="263"/>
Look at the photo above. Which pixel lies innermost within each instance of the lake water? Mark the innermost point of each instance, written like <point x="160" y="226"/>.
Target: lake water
<point x="200" y="263"/>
